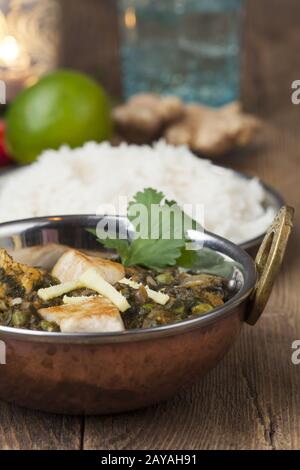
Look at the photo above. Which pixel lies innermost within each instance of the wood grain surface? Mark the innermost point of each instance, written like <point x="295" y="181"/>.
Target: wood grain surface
<point x="252" y="399"/>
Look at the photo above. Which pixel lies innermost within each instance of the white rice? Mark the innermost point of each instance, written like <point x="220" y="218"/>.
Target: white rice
<point x="77" y="181"/>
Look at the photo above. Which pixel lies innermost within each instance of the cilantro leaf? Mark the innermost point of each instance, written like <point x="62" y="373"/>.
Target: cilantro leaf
<point x="139" y="211"/>
<point x="92" y="231"/>
<point x="147" y="198"/>
<point x="160" y="227"/>
<point x="154" y="254"/>
<point x="187" y="258"/>
<point x="121" y="246"/>
<point x="207" y="261"/>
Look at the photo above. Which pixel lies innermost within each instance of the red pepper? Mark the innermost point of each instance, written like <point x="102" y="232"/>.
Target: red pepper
<point x="4" y="157"/>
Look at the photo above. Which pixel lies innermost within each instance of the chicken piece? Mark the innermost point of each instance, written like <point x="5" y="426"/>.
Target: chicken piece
<point x="17" y="280"/>
<point x="72" y="264"/>
<point x="97" y="315"/>
<point x="44" y="256"/>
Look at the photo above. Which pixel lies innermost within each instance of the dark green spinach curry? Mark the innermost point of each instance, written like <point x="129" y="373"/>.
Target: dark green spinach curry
<point x="189" y="294"/>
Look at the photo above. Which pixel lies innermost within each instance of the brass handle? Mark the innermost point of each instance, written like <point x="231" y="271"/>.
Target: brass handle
<point x="268" y="261"/>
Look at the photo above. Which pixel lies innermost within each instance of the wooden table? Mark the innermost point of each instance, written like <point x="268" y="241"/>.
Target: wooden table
<point x="252" y="399"/>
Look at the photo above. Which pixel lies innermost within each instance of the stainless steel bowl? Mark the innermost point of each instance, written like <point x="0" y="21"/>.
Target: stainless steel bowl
<point x="113" y="372"/>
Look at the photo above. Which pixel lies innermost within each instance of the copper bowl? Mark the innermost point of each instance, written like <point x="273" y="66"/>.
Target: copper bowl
<point x="115" y="372"/>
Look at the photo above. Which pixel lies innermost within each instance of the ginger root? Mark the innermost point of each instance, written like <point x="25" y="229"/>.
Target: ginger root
<point x="212" y="132"/>
<point x="145" y="116"/>
<point x="207" y="131"/>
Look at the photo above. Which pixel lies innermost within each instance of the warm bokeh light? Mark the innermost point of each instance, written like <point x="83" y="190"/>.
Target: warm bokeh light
<point x="29" y="40"/>
<point x="9" y="51"/>
<point x="130" y="18"/>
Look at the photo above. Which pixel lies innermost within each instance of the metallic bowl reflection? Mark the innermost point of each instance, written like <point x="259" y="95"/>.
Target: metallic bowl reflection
<point x="112" y="372"/>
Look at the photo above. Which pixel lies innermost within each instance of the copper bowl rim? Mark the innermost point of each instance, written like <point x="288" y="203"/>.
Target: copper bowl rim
<point x="213" y="241"/>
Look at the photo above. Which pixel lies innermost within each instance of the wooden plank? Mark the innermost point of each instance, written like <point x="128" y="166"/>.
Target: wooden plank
<point x="207" y="416"/>
<point x="271" y="60"/>
<point x="90" y="40"/>
<point x="28" y="430"/>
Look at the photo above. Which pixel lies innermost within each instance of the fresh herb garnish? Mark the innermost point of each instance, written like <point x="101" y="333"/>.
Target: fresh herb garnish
<point x="158" y="251"/>
<point x="209" y="262"/>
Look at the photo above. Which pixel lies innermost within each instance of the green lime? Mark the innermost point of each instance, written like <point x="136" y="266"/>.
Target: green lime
<point x="64" y="107"/>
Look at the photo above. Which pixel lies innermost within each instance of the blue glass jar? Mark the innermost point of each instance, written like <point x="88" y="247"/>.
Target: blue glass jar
<point x="190" y="48"/>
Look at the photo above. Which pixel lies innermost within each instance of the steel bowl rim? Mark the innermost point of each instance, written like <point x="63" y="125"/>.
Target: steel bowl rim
<point x="238" y="254"/>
